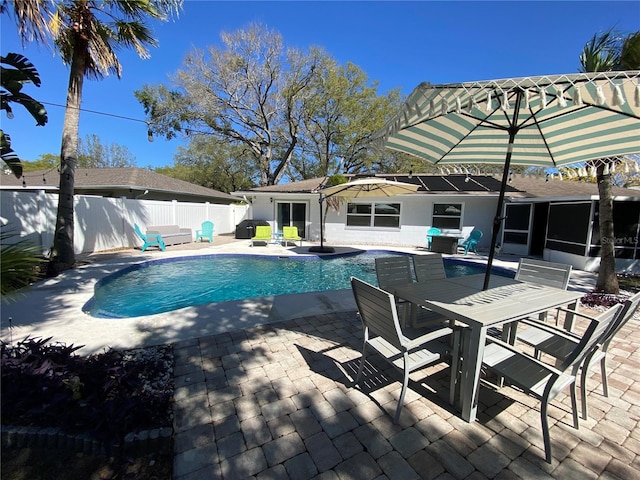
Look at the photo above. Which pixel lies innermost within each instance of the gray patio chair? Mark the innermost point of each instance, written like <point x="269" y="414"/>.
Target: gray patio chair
<point x="394" y="271"/>
<point x="543" y="381"/>
<point x="545" y="273"/>
<point x="429" y="267"/>
<point x="558" y="343"/>
<point x="382" y="332"/>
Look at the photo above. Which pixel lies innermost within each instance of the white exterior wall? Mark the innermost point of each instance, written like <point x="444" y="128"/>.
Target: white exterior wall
<point x="102" y="223"/>
<point x="416" y="213"/>
<point x="590" y="264"/>
<point x="262" y="208"/>
<point x="416" y="218"/>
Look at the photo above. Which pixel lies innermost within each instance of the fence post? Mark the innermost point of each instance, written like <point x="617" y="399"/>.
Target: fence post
<point x="174" y="211"/>
<point x="123" y="233"/>
<point x="41" y="221"/>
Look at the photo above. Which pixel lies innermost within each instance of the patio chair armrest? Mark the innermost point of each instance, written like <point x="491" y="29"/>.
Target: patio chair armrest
<point x="575" y="313"/>
<point x="427" y="337"/>
<point x="551" y="369"/>
<point x="549" y="328"/>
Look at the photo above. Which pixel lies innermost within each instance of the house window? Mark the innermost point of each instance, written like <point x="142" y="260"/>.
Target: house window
<point x="381" y="215"/>
<point x="447" y="216"/>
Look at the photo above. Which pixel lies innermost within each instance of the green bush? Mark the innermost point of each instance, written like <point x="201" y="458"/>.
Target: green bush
<point x="20" y="263"/>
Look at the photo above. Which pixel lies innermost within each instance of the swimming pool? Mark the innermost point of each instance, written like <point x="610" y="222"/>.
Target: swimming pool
<point x="164" y="285"/>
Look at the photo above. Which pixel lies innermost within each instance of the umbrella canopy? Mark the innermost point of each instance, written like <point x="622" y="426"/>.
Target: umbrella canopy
<point x="369" y="187"/>
<point x="362" y="187"/>
<point x="546" y="121"/>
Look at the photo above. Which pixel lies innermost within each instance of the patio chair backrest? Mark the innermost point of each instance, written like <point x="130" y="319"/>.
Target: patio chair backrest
<point x="629" y="309"/>
<point x="432" y="232"/>
<point x="543" y="273"/>
<point x="290" y="232"/>
<point x="393" y="271"/>
<point x="429" y="267"/>
<point x="139" y="232"/>
<point x="471" y="243"/>
<point x="593" y="335"/>
<point x="378" y="312"/>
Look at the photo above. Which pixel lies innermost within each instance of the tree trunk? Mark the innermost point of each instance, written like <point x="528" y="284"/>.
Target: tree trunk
<point x="63" y="253"/>
<point x="607" y="280"/>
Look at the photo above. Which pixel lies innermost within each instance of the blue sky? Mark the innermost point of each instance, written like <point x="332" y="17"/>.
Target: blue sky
<point x="397" y="44"/>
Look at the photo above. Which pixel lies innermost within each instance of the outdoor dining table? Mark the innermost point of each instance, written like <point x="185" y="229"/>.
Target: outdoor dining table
<point x="462" y="300"/>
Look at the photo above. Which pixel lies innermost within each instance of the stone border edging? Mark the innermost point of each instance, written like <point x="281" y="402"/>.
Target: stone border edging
<point x="146" y="441"/>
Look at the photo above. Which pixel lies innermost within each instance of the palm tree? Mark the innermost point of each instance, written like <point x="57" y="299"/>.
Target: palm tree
<point x="608" y="51"/>
<point x="86" y="33"/>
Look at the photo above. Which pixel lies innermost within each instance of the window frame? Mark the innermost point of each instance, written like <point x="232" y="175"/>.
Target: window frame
<point x="372" y="215"/>
<point x="447" y="227"/>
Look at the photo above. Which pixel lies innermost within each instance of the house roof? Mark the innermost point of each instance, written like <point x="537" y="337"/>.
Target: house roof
<point x="99" y="180"/>
<point x="519" y="186"/>
<point x="477" y="184"/>
<point x="538" y="187"/>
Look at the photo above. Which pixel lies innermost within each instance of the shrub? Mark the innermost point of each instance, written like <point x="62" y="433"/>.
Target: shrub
<point x="111" y="394"/>
<point x="19" y="264"/>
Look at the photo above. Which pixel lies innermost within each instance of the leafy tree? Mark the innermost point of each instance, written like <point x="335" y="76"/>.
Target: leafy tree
<point x="212" y="164"/>
<point x="94" y="154"/>
<point x="248" y="93"/>
<point x="87" y="34"/>
<point x="339" y="116"/>
<point x="606" y="52"/>
<point x="45" y="161"/>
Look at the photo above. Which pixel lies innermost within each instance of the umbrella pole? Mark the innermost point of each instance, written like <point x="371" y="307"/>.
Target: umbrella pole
<point x="321" y="248"/>
<point x="497" y="221"/>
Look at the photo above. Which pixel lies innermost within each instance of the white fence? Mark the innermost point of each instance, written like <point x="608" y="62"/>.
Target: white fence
<point x="107" y="223"/>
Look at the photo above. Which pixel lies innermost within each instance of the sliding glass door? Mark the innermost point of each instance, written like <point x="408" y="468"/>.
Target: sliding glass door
<point x="292" y="214"/>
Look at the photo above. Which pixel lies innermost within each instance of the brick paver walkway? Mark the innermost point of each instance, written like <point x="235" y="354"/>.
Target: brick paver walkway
<point x="275" y="402"/>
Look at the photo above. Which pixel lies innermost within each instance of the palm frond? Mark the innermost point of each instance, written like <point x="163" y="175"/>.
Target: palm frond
<point x="23" y="70"/>
<point x="19" y="261"/>
<point x="8" y="155"/>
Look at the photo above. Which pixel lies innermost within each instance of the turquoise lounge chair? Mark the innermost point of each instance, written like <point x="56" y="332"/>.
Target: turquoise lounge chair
<point x="471" y="243"/>
<point x="205" y="232"/>
<point x="290" y="234"/>
<point x="150" y="239"/>
<point x="263" y="234"/>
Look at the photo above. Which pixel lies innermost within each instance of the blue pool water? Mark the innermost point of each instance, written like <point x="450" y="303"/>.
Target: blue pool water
<point x="164" y="285"/>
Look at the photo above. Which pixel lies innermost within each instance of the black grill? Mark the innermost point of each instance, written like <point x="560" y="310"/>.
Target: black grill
<point x="246" y="228"/>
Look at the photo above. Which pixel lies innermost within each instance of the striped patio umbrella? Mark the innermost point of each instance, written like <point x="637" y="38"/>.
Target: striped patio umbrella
<point x="547" y="121"/>
<point x="362" y="187"/>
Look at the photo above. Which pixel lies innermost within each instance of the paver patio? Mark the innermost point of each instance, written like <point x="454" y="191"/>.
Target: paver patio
<point x="275" y="401"/>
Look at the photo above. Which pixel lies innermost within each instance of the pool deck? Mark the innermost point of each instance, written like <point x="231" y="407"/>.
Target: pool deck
<point x="54" y="307"/>
<point x="263" y="389"/>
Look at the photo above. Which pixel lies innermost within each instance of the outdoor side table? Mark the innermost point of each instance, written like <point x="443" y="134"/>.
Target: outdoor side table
<point x="444" y="244"/>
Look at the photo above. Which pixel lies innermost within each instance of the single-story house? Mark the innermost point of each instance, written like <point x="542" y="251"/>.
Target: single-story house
<point x="127" y="182"/>
<point x="555" y="220"/>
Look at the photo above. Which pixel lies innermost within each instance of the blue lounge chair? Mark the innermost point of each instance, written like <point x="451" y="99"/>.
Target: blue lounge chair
<point x="205" y="232"/>
<point x="150" y="239"/>
<point x="471" y="243"/>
